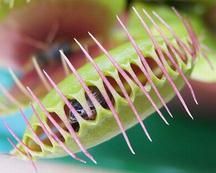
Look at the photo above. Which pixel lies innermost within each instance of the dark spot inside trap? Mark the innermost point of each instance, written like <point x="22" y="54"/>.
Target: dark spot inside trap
<point x="115" y="85"/>
<point x="139" y="74"/>
<point x="168" y="60"/>
<point x="71" y="117"/>
<point x="99" y="97"/>
<point x="82" y="112"/>
<point x="125" y="83"/>
<point x="52" y="54"/>
<point x="154" y="67"/>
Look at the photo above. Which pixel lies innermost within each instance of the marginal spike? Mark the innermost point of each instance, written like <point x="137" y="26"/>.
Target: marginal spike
<point x="49" y="132"/>
<point x="11" y="98"/>
<point x="106" y="97"/>
<point x="56" y="125"/>
<point x="28" y="156"/>
<point x="36" y="138"/>
<point x="16" y="148"/>
<point x="79" y="78"/>
<point x="71" y="67"/>
<point x="137" y="49"/>
<point x="65" y="67"/>
<point x="76" y="138"/>
<point x="40" y="74"/>
<point x="43" y="125"/>
<point x="126" y="77"/>
<point x="192" y="35"/>
<point x="170" y="56"/>
<point x="160" y="55"/>
<point x="59" y="92"/>
<point x="181" y="43"/>
<point x="19" y="83"/>
<point x="16" y="137"/>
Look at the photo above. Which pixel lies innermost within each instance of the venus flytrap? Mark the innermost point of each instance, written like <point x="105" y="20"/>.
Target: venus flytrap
<point x="110" y="93"/>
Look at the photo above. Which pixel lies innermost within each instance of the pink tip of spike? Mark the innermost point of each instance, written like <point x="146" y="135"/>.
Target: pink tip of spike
<point x="161" y="57"/>
<point x="74" y="112"/>
<point x="122" y="86"/>
<point x="105" y="95"/>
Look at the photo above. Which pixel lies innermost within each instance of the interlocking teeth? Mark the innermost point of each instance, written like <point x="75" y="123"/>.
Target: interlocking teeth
<point x="139" y="52"/>
<point x="161" y="64"/>
<point x="105" y="95"/>
<point x="127" y="78"/>
<point x="163" y="59"/>
<point x="170" y="56"/>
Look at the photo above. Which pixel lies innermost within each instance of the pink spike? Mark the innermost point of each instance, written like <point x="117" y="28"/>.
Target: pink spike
<point x="11" y="98"/>
<point x="65" y="67"/>
<point x="105" y="95"/>
<point x="89" y="113"/>
<point x="121" y="71"/>
<point x="21" y="153"/>
<point x="75" y="137"/>
<point x="16" y="137"/>
<point x="81" y="81"/>
<point x="181" y="43"/>
<point x="72" y="109"/>
<point x="36" y="138"/>
<point x="192" y="35"/>
<point x="148" y="96"/>
<point x="160" y="55"/>
<point x="40" y="74"/>
<point x="18" y="82"/>
<point x="54" y="123"/>
<point x="144" y="71"/>
<point x="73" y="133"/>
<point x="49" y="132"/>
<point x="133" y="108"/>
<point x="146" y="65"/>
<point x="52" y="135"/>
<point x="190" y="31"/>
<point x="170" y="56"/>
<point x="42" y="124"/>
<point x="16" y="148"/>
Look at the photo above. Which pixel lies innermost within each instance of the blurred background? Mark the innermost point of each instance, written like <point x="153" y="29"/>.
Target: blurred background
<point x="186" y="146"/>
